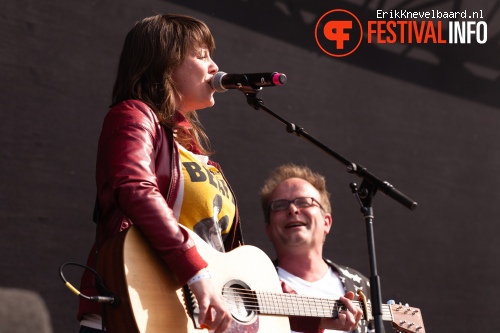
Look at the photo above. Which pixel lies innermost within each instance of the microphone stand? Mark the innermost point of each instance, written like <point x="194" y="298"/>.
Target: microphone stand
<point x="364" y="194"/>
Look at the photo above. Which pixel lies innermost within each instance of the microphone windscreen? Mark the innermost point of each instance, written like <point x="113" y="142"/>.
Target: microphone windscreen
<point x="23" y="311"/>
<point x="216" y="82"/>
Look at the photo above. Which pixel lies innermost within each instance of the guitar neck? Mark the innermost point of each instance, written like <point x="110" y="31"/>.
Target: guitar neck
<point x="403" y="318"/>
<point x="299" y="305"/>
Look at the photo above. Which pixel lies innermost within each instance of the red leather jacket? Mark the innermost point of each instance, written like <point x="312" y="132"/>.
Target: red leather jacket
<point x="137" y="175"/>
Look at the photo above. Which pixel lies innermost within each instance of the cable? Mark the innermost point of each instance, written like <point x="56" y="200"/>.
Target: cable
<point x="108" y="297"/>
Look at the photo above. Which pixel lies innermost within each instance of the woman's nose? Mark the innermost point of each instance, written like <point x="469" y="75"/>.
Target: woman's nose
<point x="213" y="68"/>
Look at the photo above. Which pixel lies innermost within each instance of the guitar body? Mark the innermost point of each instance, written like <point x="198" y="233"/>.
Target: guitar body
<point x="152" y="301"/>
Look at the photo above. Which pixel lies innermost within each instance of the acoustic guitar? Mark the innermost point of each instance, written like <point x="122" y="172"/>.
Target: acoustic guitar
<point x="152" y="301"/>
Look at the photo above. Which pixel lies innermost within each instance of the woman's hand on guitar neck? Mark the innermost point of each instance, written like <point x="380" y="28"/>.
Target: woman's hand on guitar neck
<point x="214" y="314"/>
<point x="347" y="319"/>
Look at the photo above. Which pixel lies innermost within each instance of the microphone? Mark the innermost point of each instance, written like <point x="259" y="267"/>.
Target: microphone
<point x="221" y="81"/>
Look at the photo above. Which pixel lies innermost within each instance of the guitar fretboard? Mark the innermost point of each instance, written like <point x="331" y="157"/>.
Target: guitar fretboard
<point x="292" y="304"/>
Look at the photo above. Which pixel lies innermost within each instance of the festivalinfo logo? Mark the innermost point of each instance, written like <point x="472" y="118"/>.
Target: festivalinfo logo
<point x="339" y="32"/>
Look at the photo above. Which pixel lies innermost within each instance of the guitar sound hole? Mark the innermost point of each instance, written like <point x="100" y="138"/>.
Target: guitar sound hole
<point x="241" y="301"/>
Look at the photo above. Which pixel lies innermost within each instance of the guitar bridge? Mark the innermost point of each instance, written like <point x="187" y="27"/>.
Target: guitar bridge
<point x="191" y="306"/>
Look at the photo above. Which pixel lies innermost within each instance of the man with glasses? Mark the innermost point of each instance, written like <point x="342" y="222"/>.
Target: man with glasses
<point x="297" y="213"/>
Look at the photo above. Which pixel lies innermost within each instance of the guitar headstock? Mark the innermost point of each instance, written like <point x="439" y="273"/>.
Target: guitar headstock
<point x="407" y="319"/>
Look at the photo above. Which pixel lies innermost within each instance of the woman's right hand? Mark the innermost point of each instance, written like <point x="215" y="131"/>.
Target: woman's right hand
<point x="214" y="313"/>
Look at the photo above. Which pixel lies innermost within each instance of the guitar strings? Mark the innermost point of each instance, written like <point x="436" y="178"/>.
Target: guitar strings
<point x="288" y="304"/>
<point x="243" y="302"/>
<point x="271" y="303"/>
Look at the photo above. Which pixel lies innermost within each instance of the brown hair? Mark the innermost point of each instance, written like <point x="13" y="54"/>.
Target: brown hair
<point x="290" y="170"/>
<point x="153" y="48"/>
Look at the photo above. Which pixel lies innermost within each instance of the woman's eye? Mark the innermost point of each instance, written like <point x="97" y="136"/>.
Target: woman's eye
<point x="202" y="55"/>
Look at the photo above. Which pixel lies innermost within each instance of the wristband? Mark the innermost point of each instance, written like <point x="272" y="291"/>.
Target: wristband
<point x="203" y="275"/>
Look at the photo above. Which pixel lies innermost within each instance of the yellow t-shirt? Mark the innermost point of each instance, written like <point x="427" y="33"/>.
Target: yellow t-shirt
<point x="204" y="203"/>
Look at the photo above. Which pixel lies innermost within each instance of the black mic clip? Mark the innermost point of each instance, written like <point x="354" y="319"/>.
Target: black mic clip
<point x="246" y="87"/>
<point x="253" y="100"/>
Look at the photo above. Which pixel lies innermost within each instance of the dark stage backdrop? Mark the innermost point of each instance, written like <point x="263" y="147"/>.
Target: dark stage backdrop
<point x="422" y="116"/>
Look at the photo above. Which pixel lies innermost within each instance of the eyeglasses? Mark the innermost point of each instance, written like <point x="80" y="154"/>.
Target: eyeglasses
<point x="301" y="202"/>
